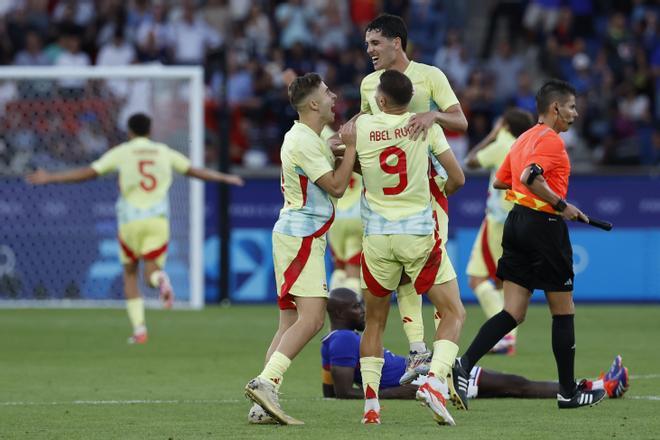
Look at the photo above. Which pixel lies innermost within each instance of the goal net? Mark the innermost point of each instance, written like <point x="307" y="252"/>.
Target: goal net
<point x="58" y="243"/>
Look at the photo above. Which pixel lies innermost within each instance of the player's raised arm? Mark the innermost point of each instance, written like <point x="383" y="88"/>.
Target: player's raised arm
<point x="43" y="177"/>
<point x="215" y="176"/>
<point x="455" y="175"/>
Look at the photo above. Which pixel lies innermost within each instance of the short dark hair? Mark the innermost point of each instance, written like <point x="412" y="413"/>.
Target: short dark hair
<point x="518" y="120"/>
<point x="397" y="86"/>
<point x="302" y="86"/>
<point x="390" y="26"/>
<point x="553" y="90"/>
<point x="140" y="124"/>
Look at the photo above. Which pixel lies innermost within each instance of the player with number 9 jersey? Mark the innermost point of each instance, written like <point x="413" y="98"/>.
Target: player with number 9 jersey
<point x="396" y="199"/>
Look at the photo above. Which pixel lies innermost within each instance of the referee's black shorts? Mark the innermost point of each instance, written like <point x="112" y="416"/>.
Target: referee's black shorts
<point x="537" y="251"/>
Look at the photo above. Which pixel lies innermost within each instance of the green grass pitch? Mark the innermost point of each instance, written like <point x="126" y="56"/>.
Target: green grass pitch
<point x="69" y="374"/>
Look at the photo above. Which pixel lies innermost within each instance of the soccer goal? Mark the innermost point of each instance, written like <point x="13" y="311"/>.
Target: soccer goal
<point x="58" y="243"/>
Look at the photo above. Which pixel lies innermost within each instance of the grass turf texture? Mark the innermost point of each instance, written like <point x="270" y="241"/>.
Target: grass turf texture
<point x="68" y="374"/>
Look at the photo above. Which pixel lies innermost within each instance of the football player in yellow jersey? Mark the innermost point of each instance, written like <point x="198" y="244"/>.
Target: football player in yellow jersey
<point x="487" y="249"/>
<point x="311" y="183"/>
<point x="400" y="236"/>
<point x="145" y="176"/>
<point x="433" y="102"/>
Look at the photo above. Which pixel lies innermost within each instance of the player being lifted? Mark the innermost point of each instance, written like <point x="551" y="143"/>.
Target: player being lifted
<point x="400" y="237"/>
<point x="310" y="184"/>
<point x="145" y="176"/>
<point x="487" y="249"/>
<point x="434" y="103"/>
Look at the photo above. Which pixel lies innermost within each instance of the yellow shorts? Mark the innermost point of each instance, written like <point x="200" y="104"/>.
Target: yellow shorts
<point x="345" y="240"/>
<point x="384" y="257"/>
<point x="145" y="239"/>
<point x="486" y="250"/>
<point x="299" y="268"/>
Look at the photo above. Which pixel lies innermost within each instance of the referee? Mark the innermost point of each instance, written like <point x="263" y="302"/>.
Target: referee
<point x="537" y="251"/>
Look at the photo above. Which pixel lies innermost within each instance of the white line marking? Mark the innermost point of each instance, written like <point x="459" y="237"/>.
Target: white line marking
<point x="138" y="402"/>
<point x="122" y="402"/>
<point x="645" y="376"/>
<point x="643" y="397"/>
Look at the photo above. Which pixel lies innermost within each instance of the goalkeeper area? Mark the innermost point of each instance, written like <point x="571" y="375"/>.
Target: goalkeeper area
<point x="58" y="243"/>
<point x="69" y="374"/>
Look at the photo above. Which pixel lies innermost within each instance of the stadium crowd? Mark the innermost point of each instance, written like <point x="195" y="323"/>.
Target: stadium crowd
<point x="495" y="57"/>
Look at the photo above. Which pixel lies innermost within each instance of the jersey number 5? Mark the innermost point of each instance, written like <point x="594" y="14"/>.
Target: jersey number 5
<point x="148" y="182"/>
<point x="399" y="168"/>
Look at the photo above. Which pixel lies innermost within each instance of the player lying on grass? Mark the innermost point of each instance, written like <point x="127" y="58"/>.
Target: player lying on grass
<point x="341" y="373"/>
<point x="145" y="176"/>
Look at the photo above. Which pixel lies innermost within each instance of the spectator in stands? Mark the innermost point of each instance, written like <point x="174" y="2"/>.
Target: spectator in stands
<point x="452" y="58"/>
<point x="153" y="36"/>
<point x="191" y="37"/>
<point x="33" y="54"/>
<point x="72" y="56"/>
<point x="258" y="31"/>
<point x="505" y="66"/>
<point x="117" y="53"/>
<point x="295" y="21"/>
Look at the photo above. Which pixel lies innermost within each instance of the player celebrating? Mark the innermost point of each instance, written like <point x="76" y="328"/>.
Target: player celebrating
<point x="434" y="103"/>
<point x="310" y="185"/>
<point x="537" y="251"/>
<point x="400" y="236"/>
<point x="487" y="249"/>
<point x="145" y="176"/>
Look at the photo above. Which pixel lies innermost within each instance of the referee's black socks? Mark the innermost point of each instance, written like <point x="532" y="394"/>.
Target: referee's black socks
<point x="490" y="333"/>
<point x="563" y="346"/>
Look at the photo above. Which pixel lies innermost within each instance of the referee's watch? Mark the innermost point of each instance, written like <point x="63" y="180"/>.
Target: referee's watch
<point x="560" y="205"/>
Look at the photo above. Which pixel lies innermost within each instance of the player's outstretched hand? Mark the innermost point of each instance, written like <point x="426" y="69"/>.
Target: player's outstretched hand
<point x="39" y="177"/>
<point x="419" y="124"/>
<point x="348" y="134"/>
<point x="571" y="212"/>
<point x="233" y="179"/>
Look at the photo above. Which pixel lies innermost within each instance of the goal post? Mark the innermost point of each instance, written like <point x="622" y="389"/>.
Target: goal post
<point x="58" y="245"/>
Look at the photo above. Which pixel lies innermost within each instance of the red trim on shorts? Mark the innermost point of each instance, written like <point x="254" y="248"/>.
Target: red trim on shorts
<point x="303" y="187"/>
<point x="487" y="254"/>
<point x="292" y="273"/>
<point x="372" y="284"/>
<point x="129" y="253"/>
<point x="427" y="275"/>
<point x="295" y="268"/>
<point x="155" y="253"/>
<point x="438" y="194"/>
<point x="355" y="259"/>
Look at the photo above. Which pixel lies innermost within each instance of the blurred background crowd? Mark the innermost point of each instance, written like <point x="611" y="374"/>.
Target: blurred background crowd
<point x="495" y="53"/>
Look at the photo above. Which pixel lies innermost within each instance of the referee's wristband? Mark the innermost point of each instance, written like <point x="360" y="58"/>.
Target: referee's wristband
<point x="560" y="205"/>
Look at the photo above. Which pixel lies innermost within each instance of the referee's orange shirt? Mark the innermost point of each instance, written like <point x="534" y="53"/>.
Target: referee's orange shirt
<point x="543" y="146"/>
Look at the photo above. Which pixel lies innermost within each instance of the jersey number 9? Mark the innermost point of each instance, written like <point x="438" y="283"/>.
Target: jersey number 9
<point x="399" y="169"/>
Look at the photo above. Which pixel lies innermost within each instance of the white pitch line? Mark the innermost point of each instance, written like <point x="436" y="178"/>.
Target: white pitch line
<point x="122" y="402"/>
<point x="643" y="397"/>
<point x="645" y="376"/>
